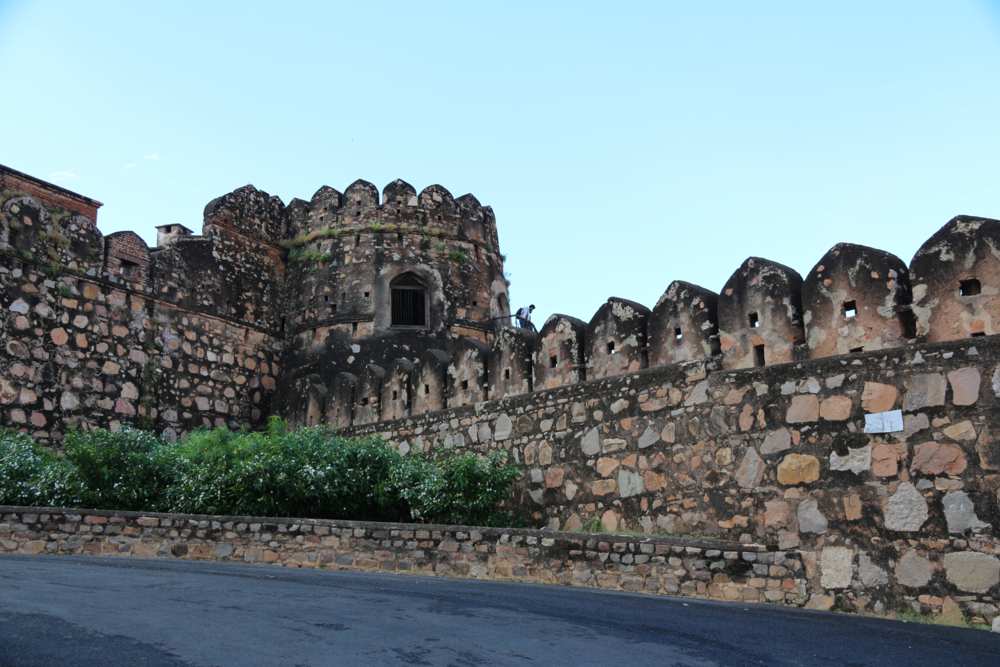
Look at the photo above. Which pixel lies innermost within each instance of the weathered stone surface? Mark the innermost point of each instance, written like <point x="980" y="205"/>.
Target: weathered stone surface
<point x="836" y="567"/>
<point x="906" y="509"/>
<point x="878" y="397"/>
<point x="924" y="390"/>
<point x="885" y="460"/>
<point x="803" y="408"/>
<point x="857" y="460"/>
<point x="590" y="444"/>
<point x="960" y="512"/>
<point x="964" y="385"/>
<point x="870" y="573"/>
<point x="835" y="408"/>
<point x="503" y="428"/>
<point x="629" y="483"/>
<point x="777" y="513"/>
<point x="962" y="431"/>
<point x="751" y="469"/>
<point x="649" y="438"/>
<point x="798" y="469"/>
<point x="935" y="458"/>
<point x="913" y="570"/>
<point x="811" y="520"/>
<point x="972" y="571"/>
<point x="776" y="441"/>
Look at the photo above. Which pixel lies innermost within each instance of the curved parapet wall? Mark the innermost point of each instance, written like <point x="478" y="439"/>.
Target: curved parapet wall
<point x="510" y="363"/>
<point x="855" y="299"/>
<point x="683" y="325"/>
<point x="956" y="281"/>
<point x="760" y="315"/>
<point x="560" y="352"/>
<point x="616" y="339"/>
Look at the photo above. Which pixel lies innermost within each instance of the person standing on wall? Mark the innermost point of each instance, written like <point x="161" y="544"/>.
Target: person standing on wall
<point x="523" y="317"/>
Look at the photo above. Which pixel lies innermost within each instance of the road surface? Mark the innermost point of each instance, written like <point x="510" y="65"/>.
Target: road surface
<point x="103" y="611"/>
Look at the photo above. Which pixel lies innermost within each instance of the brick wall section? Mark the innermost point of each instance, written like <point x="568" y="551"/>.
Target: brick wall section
<point x="701" y="568"/>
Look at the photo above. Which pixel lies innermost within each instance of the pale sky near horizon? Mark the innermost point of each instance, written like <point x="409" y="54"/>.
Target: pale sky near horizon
<point x="621" y="145"/>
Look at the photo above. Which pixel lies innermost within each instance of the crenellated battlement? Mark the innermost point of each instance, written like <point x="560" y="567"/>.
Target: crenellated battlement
<point x="855" y="299"/>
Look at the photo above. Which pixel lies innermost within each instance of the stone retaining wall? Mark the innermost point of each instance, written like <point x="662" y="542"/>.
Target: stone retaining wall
<point x="957" y="584"/>
<point x="703" y="568"/>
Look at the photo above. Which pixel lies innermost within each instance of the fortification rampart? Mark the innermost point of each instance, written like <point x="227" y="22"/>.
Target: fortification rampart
<point x="776" y="456"/>
<point x="740" y="414"/>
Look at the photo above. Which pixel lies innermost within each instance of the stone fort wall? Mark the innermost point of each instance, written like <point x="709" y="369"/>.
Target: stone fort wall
<point x="739" y="414"/>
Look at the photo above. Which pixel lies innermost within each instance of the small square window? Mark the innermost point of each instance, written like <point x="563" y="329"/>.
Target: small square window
<point x="850" y="309"/>
<point x="553" y="361"/>
<point x="678" y="334"/>
<point x="395" y="395"/>
<point x="754" y="320"/>
<point x="465" y="384"/>
<point x="970" y="287"/>
<point x="366" y="294"/>
<point x="611" y="347"/>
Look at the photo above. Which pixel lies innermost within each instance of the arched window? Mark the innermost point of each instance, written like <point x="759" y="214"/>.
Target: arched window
<point x="409" y="301"/>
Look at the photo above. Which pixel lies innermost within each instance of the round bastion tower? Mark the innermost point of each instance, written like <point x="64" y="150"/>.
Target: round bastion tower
<point x="370" y="282"/>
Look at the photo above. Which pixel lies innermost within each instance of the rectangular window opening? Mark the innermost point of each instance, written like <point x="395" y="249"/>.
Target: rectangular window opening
<point x="553" y="361"/>
<point x="678" y="334"/>
<point x="611" y="347"/>
<point x="427" y="389"/>
<point x="758" y="356"/>
<point x="354" y="328"/>
<point x="465" y="384"/>
<point x="850" y="309"/>
<point x="506" y="374"/>
<point x="395" y="395"/>
<point x="978" y="334"/>
<point x="855" y="350"/>
<point x="754" y="320"/>
<point x="970" y="287"/>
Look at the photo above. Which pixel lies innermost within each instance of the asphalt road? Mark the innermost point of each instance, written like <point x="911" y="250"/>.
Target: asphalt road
<point x="100" y="611"/>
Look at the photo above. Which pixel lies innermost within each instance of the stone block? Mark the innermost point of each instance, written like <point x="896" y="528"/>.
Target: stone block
<point x="972" y="571"/>
<point x="836" y="567"/>
<point x="798" y="469"/>
<point x="964" y="385"/>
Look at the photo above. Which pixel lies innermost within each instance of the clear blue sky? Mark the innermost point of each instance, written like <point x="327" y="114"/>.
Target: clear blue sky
<point x="622" y="145"/>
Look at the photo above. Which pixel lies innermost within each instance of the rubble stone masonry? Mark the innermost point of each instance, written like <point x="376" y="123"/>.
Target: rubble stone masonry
<point x="737" y="416"/>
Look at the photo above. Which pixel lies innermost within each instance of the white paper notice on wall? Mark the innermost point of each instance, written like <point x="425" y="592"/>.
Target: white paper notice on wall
<point x="884" y="422"/>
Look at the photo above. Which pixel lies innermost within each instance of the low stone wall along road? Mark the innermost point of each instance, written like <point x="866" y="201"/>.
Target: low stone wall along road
<point x="105" y="611"/>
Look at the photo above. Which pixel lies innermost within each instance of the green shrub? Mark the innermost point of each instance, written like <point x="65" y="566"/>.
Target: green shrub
<point x="457" y="489"/>
<point x="310" y="472"/>
<point x="124" y="470"/>
<point x="31" y="475"/>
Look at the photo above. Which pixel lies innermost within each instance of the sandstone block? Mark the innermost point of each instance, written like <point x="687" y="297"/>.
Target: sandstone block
<point x="836" y="567"/>
<point x="803" y="408"/>
<point x="835" y="408"/>
<point x="798" y="469"/>
<point x="811" y="520"/>
<point x="972" y="571"/>
<point x="751" y="469"/>
<point x="857" y="460"/>
<point x="905" y="510"/>
<point x="913" y="570"/>
<point x="964" y="385"/>
<point x="590" y="443"/>
<point x="924" y="390"/>
<point x="776" y="442"/>
<point x="878" y="397"/>
<point x="960" y="513"/>
<point x="936" y="458"/>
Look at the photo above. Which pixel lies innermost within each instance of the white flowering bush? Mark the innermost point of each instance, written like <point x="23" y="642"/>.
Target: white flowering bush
<point x="310" y="472"/>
